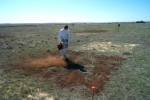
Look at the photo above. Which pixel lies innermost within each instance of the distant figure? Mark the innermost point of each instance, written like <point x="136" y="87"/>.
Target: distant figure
<point x="63" y="38"/>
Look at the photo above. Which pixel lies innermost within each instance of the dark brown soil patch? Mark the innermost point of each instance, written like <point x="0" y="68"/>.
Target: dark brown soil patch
<point x="72" y="73"/>
<point x="70" y="78"/>
<point x="101" y="70"/>
<point x="2" y="36"/>
<point x="5" y="36"/>
<point x="93" y="31"/>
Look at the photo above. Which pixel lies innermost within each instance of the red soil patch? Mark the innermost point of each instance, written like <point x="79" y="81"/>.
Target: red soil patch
<point x="73" y="73"/>
<point x="70" y="78"/>
<point x="45" y="62"/>
<point x="36" y="65"/>
<point x="101" y="70"/>
<point x="76" y="78"/>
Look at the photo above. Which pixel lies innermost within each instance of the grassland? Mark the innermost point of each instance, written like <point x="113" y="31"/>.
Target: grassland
<point x="117" y="63"/>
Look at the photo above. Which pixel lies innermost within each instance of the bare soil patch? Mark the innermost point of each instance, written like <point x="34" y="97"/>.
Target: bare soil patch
<point x="45" y="62"/>
<point x="2" y="36"/>
<point x="90" y="32"/>
<point x="93" y="31"/>
<point x="72" y="73"/>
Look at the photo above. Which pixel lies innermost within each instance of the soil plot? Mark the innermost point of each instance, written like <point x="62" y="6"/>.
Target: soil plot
<point x="78" y="71"/>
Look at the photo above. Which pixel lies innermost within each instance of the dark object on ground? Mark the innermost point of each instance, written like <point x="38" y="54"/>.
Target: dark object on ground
<point x="67" y="60"/>
<point x="48" y="51"/>
<point x="74" y="66"/>
<point x="126" y="53"/>
<point x="59" y="46"/>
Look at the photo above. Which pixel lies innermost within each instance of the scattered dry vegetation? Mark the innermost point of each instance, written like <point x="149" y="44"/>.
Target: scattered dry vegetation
<point x="117" y="64"/>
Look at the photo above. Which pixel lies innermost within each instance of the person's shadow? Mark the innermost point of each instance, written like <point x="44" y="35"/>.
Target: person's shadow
<point x="73" y="66"/>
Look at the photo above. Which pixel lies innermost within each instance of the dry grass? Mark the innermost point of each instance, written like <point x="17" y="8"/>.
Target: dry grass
<point x="109" y="47"/>
<point x="37" y="74"/>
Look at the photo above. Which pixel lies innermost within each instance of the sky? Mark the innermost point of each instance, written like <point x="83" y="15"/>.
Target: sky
<point x="68" y="11"/>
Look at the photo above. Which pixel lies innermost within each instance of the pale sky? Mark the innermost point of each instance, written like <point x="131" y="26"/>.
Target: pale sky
<point x="51" y="11"/>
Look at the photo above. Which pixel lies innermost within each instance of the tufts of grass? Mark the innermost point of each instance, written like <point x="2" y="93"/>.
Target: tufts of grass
<point x="130" y="82"/>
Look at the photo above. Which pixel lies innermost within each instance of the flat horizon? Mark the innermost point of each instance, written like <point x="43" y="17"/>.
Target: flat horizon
<point x="76" y="22"/>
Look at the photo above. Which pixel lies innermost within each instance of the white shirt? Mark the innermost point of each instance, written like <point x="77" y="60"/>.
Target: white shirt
<point x="64" y="35"/>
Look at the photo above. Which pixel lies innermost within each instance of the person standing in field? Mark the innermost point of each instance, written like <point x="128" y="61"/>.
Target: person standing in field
<point x="63" y="39"/>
